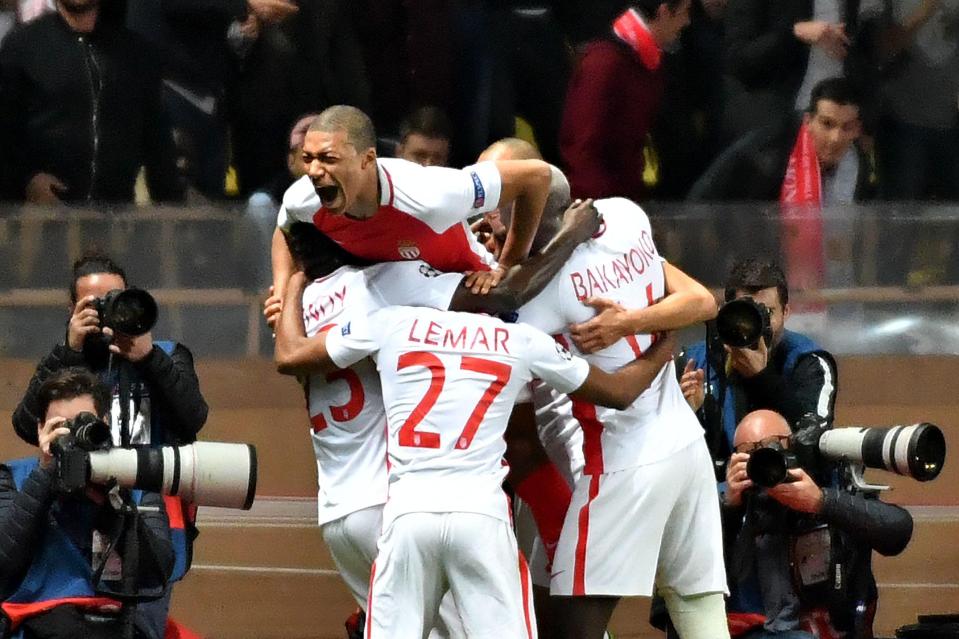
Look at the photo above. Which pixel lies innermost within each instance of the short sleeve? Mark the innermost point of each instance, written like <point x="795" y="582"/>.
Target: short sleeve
<point x="300" y="204"/>
<point x="445" y="197"/>
<point x="352" y="339"/>
<point x="413" y="283"/>
<point x="552" y="363"/>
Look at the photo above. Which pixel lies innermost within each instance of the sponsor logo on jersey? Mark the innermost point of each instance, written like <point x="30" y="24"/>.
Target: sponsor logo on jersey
<point x="346" y="329"/>
<point x="479" y="193"/>
<point x="408" y="250"/>
<point x="428" y="271"/>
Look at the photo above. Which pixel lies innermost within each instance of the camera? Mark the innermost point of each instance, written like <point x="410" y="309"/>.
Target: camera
<point x="917" y="451"/>
<point x="741" y="322"/>
<point x="132" y="311"/>
<point x="204" y="473"/>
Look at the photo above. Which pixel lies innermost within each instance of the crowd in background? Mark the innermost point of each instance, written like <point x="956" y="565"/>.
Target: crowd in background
<point x="231" y="76"/>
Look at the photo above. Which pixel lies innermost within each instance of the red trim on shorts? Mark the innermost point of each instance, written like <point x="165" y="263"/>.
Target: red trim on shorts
<point x="369" y="604"/>
<point x="579" y="561"/>
<point x="524" y="584"/>
<point x="389" y="181"/>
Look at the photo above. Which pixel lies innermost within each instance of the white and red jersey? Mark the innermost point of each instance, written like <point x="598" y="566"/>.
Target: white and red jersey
<point x="348" y="423"/>
<point x="621" y="263"/>
<point x="422" y="215"/>
<point x="449" y="384"/>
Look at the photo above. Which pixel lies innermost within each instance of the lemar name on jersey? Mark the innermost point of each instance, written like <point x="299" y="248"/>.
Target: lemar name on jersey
<point x="469" y="338"/>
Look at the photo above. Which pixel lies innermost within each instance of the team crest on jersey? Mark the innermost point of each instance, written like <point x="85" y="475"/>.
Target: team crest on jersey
<point x="479" y="193"/>
<point x="408" y="250"/>
<point x="428" y="271"/>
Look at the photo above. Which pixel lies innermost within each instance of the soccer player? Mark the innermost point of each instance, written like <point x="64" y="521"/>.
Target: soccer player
<point x="644" y="510"/>
<point x="390" y="210"/>
<point x="449" y="382"/>
<point x="346" y="408"/>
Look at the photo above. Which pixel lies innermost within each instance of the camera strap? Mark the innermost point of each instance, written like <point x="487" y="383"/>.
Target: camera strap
<point x="123" y="383"/>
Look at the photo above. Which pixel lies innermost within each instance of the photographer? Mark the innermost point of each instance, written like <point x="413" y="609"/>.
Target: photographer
<point x="52" y="545"/>
<point x="799" y="553"/>
<point x="781" y="371"/>
<point x="163" y="405"/>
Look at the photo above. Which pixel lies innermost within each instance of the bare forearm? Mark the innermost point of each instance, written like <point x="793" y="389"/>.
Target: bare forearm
<point x="674" y="311"/>
<point x="282" y="261"/>
<point x="526" y="183"/>
<point x="294" y="353"/>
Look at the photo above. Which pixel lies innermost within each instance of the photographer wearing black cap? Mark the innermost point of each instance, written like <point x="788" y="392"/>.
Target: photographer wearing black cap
<point x="63" y="571"/>
<point x="163" y="400"/>
<point x="750" y="361"/>
<point x="799" y="550"/>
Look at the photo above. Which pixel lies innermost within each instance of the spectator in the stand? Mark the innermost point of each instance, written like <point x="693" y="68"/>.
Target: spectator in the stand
<point x="687" y="133"/>
<point x="777" y="52"/>
<point x="262" y="204"/>
<point x="201" y="68"/>
<point x="425" y="137"/>
<point x="613" y="98"/>
<point x="761" y="164"/>
<point x="80" y="111"/>
<point x="918" y="138"/>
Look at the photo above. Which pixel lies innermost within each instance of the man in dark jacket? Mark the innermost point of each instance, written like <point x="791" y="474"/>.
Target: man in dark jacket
<point x="158" y="379"/>
<point x="613" y="98"/>
<point x="776" y="52"/>
<point x="754" y="168"/>
<point x="52" y="545"/>
<point x="80" y="111"/>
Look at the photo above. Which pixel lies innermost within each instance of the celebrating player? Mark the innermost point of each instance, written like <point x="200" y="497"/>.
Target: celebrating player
<point x="446" y="466"/>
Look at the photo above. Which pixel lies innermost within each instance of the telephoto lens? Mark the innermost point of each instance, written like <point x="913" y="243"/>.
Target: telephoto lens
<point x="132" y="311"/>
<point x="742" y="322"/>
<point x="917" y="451"/>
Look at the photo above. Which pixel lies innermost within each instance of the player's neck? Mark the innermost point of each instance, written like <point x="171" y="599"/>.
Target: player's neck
<point x="368" y="200"/>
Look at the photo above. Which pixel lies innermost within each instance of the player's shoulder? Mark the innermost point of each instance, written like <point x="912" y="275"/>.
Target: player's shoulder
<point x="301" y="198"/>
<point x="414" y="188"/>
<point x="621" y="212"/>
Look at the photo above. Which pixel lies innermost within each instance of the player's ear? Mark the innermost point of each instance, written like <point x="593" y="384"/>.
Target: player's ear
<point x="369" y="157"/>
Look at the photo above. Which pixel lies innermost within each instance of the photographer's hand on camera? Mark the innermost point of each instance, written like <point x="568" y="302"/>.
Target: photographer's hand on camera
<point x="749" y="362"/>
<point x="130" y="348"/>
<point x="47" y="433"/>
<point x="737" y="481"/>
<point x="800" y="493"/>
<point x="84" y="322"/>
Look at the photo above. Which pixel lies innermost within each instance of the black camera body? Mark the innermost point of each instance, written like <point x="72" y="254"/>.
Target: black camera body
<point x="88" y="433"/>
<point x="132" y="311"/>
<point x="741" y="323"/>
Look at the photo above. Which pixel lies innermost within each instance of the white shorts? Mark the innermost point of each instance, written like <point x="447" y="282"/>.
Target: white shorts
<point x="351" y="541"/>
<point x="656" y="524"/>
<point x="474" y="556"/>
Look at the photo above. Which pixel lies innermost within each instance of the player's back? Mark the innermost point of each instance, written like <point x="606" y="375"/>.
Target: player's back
<point x="449" y="384"/>
<point x="347" y="419"/>
<point x="621" y="263"/>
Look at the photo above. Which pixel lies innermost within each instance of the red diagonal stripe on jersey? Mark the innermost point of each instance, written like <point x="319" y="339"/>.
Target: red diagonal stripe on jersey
<point x="579" y="560"/>
<point x="524" y="584"/>
<point x="585" y="414"/>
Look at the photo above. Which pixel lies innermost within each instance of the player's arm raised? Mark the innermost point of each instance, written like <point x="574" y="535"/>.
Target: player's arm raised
<point x="687" y="302"/>
<point x="524" y="281"/>
<point x="525" y="183"/>
<point x="293" y="352"/>
<point x="620" y="389"/>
